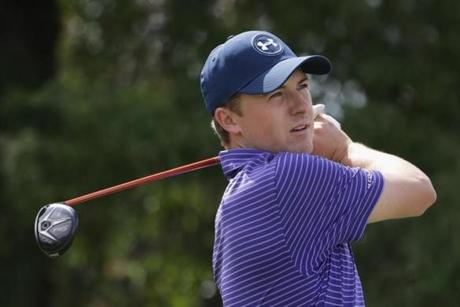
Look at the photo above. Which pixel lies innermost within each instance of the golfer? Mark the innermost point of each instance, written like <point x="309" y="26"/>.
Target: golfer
<point x="300" y="190"/>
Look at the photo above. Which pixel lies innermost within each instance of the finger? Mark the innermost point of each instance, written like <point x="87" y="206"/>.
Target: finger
<point x="318" y="109"/>
<point x="332" y="120"/>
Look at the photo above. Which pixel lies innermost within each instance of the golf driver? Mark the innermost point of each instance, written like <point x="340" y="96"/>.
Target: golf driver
<point x="57" y="223"/>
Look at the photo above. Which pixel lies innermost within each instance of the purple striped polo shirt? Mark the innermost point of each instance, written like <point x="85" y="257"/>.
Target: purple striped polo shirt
<point x="283" y="229"/>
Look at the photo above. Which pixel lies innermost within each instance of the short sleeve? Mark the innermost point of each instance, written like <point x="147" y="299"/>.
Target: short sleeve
<point x="322" y="204"/>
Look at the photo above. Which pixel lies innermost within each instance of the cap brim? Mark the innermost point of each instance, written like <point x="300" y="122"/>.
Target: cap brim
<point x="277" y="75"/>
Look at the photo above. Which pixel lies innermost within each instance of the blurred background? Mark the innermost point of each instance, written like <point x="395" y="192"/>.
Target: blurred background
<point x="98" y="92"/>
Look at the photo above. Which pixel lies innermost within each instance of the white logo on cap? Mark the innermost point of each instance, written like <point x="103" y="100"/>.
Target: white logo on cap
<point x="266" y="44"/>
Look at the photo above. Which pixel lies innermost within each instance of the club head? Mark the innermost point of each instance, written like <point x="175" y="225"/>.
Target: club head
<point x="55" y="227"/>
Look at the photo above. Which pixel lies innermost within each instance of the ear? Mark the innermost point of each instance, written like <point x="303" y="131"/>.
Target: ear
<point x="228" y="120"/>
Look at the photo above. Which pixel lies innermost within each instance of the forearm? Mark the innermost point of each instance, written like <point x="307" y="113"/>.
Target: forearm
<point x="358" y="155"/>
<point x="407" y="191"/>
<point x="334" y="144"/>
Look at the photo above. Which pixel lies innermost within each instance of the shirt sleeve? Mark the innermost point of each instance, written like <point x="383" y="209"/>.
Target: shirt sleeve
<point x="322" y="204"/>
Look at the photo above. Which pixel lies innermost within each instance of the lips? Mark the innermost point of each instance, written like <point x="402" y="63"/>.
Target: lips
<point x="299" y="128"/>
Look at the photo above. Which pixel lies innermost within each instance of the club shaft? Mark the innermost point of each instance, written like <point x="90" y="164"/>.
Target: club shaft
<point x="147" y="179"/>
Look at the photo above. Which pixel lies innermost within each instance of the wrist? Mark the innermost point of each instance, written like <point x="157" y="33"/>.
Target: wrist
<point x="342" y="154"/>
<point x="355" y="155"/>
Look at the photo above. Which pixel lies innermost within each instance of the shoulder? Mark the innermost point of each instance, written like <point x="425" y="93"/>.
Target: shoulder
<point x="296" y="173"/>
<point x="289" y="163"/>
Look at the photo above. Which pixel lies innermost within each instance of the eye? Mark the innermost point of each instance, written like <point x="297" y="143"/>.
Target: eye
<point x="302" y="86"/>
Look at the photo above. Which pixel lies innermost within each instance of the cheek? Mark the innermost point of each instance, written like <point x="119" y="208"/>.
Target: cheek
<point x="249" y="125"/>
<point x="265" y="124"/>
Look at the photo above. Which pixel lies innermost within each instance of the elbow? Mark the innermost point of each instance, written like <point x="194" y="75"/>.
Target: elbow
<point x="427" y="194"/>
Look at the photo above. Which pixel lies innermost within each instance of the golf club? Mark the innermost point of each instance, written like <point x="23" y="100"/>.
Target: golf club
<point x="56" y="223"/>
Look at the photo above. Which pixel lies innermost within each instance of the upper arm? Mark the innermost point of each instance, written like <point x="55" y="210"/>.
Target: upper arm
<point x="403" y="196"/>
<point x="322" y="204"/>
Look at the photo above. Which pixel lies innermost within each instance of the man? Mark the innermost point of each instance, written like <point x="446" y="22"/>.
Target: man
<point x="300" y="190"/>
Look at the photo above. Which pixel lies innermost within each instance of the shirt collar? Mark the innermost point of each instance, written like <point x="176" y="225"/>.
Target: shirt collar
<point x="233" y="160"/>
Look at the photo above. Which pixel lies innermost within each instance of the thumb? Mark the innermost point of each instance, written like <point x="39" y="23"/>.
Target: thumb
<point x="318" y="109"/>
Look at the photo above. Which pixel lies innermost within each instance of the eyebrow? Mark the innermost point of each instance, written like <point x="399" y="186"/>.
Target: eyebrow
<point x="282" y="86"/>
<point x="304" y="79"/>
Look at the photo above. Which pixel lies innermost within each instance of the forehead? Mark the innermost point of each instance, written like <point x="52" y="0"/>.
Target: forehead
<point x="294" y="79"/>
<point x="297" y="76"/>
<point x="292" y="82"/>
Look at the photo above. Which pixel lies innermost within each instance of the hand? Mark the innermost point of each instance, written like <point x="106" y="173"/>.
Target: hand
<point x="329" y="140"/>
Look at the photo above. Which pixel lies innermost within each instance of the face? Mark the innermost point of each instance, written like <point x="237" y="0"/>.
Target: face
<point x="279" y="121"/>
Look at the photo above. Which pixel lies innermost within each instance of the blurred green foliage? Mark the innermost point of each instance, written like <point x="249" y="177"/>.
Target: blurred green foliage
<point x="113" y="94"/>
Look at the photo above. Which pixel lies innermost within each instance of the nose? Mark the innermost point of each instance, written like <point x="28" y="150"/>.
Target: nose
<point x="300" y="103"/>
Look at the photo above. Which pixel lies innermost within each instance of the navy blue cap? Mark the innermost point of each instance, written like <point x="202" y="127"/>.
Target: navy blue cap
<point x="253" y="62"/>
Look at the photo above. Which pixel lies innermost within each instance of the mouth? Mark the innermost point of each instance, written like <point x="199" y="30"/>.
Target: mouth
<point x="299" y="128"/>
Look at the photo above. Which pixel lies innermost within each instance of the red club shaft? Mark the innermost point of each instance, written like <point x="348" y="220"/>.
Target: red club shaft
<point x="147" y="179"/>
